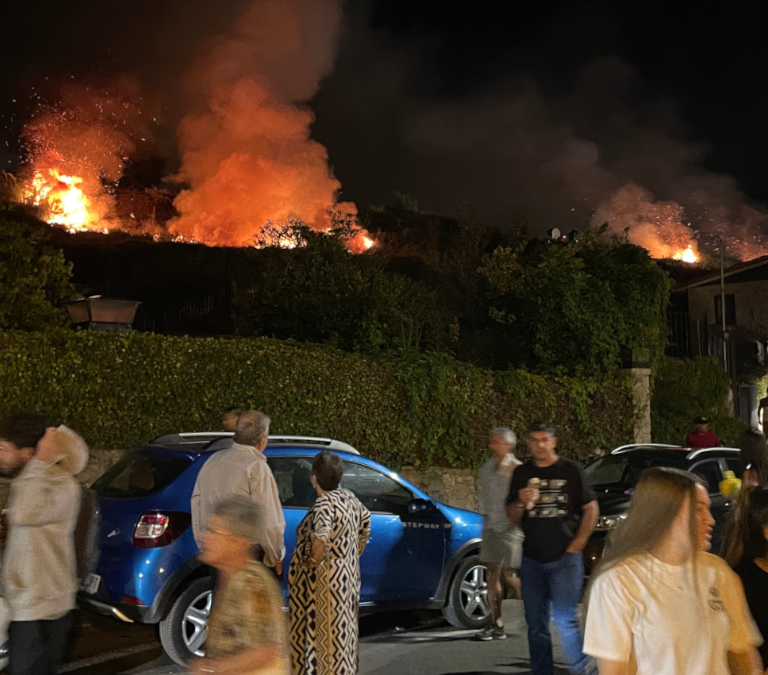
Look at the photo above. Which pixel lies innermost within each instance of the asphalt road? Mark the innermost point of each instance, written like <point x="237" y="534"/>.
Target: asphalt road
<point x="413" y="643"/>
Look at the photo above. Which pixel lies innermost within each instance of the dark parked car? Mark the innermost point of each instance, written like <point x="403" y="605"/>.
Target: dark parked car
<point x="613" y="478"/>
<point x="422" y="554"/>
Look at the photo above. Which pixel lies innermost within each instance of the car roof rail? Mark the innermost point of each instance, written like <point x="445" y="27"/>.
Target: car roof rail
<point x="330" y="443"/>
<point x="639" y="446"/>
<point x="700" y="451"/>
<point x="190" y="437"/>
<point x="221" y="439"/>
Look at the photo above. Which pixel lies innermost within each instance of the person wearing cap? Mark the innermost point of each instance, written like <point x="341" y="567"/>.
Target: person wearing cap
<point x="702" y="437"/>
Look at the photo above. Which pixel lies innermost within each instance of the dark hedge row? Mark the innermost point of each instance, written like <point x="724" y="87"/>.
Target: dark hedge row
<point x="120" y="390"/>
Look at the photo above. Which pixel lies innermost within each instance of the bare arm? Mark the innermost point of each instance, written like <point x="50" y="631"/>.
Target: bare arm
<point x="745" y="663"/>
<point x="318" y="549"/>
<point x="516" y="510"/>
<point x="612" y="667"/>
<point x="364" y="531"/>
<point x="588" y="521"/>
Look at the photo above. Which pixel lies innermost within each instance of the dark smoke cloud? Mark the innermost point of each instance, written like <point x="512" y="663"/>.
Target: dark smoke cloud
<point x="598" y="149"/>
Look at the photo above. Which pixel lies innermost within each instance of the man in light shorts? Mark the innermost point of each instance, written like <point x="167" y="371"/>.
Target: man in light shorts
<point x="501" y="547"/>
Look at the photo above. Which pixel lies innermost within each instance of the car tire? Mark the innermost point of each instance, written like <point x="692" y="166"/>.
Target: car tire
<point x="184" y="630"/>
<point x="468" y="596"/>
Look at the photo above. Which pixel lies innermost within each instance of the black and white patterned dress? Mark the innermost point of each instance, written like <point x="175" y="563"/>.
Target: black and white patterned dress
<point x="324" y="599"/>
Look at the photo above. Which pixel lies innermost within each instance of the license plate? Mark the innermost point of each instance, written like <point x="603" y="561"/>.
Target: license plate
<point x="90" y="584"/>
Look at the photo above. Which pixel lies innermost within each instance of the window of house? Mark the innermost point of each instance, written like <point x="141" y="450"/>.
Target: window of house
<point x="730" y="310"/>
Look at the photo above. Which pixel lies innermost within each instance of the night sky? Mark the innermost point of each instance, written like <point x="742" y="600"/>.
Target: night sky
<point x="543" y="107"/>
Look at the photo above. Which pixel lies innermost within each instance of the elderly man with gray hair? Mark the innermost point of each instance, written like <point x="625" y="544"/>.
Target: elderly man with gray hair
<point x="242" y="471"/>
<point x="501" y="546"/>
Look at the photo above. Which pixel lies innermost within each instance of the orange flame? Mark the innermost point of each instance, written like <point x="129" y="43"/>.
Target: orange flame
<point x="689" y="255"/>
<point x="66" y="203"/>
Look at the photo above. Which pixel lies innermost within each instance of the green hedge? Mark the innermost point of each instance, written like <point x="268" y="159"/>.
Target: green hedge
<point x="122" y="390"/>
<point x="683" y="389"/>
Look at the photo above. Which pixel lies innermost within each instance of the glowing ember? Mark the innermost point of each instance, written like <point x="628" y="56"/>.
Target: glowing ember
<point x="368" y="243"/>
<point x="687" y="256"/>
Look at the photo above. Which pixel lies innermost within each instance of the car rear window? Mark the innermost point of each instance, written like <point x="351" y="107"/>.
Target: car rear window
<point x="139" y="474"/>
<point x="621" y="472"/>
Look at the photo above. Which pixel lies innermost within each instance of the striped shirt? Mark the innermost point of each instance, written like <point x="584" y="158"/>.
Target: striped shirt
<point x="241" y="470"/>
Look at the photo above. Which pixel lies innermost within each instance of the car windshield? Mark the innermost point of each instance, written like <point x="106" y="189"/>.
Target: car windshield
<point x="139" y="474"/>
<point x="621" y="472"/>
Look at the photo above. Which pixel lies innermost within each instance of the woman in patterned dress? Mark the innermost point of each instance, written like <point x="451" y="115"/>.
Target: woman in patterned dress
<point x="324" y="577"/>
<point x="247" y="632"/>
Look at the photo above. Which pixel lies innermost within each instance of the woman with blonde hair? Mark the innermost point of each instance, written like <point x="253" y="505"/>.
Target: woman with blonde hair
<point x="660" y="606"/>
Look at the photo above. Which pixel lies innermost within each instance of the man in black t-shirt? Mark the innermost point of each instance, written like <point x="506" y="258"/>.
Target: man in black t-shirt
<point x="550" y="498"/>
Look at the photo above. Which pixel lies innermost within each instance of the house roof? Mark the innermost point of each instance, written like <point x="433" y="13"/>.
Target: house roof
<point x="709" y="277"/>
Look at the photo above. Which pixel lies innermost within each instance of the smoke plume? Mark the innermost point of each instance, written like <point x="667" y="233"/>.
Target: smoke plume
<point x="248" y="156"/>
<point x="598" y="148"/>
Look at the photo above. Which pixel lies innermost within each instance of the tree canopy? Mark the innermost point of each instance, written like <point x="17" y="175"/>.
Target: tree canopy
<point x="577" y="308"/>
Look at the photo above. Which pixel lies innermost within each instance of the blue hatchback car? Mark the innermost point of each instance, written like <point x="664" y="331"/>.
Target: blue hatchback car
<point x="421" y="554"/>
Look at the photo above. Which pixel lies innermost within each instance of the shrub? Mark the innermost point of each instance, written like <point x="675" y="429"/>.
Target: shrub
<point x="683" y="389"/>
<point x="422" y="409"/>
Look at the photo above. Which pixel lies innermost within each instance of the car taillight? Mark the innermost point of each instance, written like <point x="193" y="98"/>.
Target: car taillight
<point x="130" y="600"/>
<point x="160" y="528"/>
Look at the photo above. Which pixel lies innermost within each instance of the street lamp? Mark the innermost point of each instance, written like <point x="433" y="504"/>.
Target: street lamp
<point x="103" y="314"/>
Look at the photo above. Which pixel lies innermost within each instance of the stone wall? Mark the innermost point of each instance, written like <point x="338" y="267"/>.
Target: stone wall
<point x="98" y="462"/>
<point x="455" y="487"/>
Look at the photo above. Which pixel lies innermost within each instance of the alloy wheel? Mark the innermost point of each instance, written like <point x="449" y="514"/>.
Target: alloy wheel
<point x="195" y="623"/>
<point x="474" y="593"/>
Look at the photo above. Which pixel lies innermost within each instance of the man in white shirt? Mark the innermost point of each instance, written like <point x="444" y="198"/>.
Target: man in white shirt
<point x="242" y="471"/>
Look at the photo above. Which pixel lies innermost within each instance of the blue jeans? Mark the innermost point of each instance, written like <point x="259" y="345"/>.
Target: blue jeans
<point x="556" y="588"/>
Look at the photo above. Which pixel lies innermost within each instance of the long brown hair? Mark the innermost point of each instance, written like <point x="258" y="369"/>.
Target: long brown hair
<point x="658" y="497"/>
<point x="745" y="541"/>
<point x="754" y="466"/>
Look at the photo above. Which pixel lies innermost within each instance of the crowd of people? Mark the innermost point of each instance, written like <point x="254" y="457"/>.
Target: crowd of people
<point x="238" y="524"/>
<point x="659" y="602"/>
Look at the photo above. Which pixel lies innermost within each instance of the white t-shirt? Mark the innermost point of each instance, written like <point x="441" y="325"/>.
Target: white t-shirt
<point x="647" y="613"/>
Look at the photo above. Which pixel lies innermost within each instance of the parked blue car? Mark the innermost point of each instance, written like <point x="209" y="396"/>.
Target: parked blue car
<point x="421" y="554"/>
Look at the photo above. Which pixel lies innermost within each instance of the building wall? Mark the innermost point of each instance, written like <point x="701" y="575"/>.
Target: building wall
<point x="751" y="305"/>
<point x="751" y="300"/>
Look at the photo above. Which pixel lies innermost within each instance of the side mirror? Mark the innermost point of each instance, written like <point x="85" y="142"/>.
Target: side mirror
<point x="419" y="505"/>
